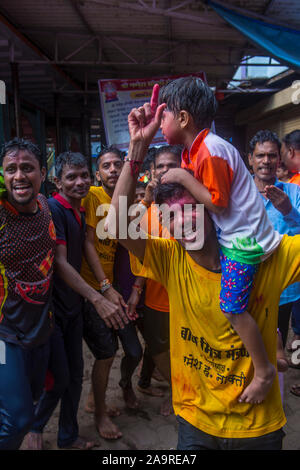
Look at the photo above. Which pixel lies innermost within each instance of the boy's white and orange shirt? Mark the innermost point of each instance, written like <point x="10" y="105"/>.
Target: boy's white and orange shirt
<point x="210" y="365"/>
<point x="244" y="230"/>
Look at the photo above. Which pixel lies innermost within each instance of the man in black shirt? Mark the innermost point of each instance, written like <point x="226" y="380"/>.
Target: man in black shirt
<point x="27" y="247"/>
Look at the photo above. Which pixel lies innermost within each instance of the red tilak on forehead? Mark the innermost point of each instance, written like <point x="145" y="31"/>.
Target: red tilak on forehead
<point x="185" y="199"/>
<point x="14" y="152"/>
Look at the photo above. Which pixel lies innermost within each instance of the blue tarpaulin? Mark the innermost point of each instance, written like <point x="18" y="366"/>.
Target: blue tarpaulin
<point x="278" y="41"/>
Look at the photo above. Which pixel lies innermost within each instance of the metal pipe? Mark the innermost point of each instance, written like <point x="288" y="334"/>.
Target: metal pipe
<point x="16" y="96"/>
<point x="95" y="62"/>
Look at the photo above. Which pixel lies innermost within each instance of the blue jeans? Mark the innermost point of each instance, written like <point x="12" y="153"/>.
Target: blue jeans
<point x="66" y="367"/>
<point x="22" y="378"/>
<point x="191" y="438"/>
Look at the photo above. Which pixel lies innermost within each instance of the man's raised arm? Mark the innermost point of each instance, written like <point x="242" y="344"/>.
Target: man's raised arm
<point x="143" y="123"/>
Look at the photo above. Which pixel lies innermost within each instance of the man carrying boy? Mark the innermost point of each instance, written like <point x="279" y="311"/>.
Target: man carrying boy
<point x="66" y="361"/>
<point x="223" y="184"/>
<point x="210" y="365"/>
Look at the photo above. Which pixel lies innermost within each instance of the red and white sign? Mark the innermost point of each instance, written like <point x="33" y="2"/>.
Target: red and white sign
<point x="119" y="96"/>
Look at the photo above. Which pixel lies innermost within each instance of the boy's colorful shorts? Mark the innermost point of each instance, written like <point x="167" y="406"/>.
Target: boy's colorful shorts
<point x="236" y="284"/>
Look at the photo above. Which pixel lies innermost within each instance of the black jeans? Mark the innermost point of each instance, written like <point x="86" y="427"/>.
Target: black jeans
<point x="147" y="369"/>
<point x="284" y="313"/>
<point x="191" y="438"/>
<point x="66" y="366"/>
<point x="22" y="378"/>
<point x="103" y="342"/>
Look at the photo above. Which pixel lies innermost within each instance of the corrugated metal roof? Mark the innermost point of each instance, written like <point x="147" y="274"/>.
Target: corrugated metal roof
<point x="91" y="39"/>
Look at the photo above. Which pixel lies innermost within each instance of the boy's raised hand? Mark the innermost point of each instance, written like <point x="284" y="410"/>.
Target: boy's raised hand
<point x="144" y="122"/>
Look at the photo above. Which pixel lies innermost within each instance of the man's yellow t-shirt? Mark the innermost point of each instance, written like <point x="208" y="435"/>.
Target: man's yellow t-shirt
<point x="106" y="249"/>
<point x="156" y="296"/>
<point x="209" y="364"/>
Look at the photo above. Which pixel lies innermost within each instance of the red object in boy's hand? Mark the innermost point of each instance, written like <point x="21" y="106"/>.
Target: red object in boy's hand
<point x="154" y="98"/>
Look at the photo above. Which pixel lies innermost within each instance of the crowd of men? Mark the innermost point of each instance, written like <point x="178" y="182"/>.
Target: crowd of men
<point x="62" y="283"/>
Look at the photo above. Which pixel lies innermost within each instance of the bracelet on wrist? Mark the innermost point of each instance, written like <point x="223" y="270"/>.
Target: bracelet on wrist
<point x="104" y="285"/>
<point x="134" y="166"/>
<point x="131" y="159"/>
<point x="105" y="288"/>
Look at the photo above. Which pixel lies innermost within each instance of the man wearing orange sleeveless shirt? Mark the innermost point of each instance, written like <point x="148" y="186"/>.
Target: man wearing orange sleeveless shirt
<point x="156" y="305"/>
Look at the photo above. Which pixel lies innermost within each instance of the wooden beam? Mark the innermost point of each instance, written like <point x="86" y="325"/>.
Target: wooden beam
<point x="16" y="95"/>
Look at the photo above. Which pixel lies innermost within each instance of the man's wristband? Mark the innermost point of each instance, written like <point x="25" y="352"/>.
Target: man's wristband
<point x="134" y="166"/>
<point x="131" y="159"/>
<point x="104" y="285"/>
<point x="138" y="288"/>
